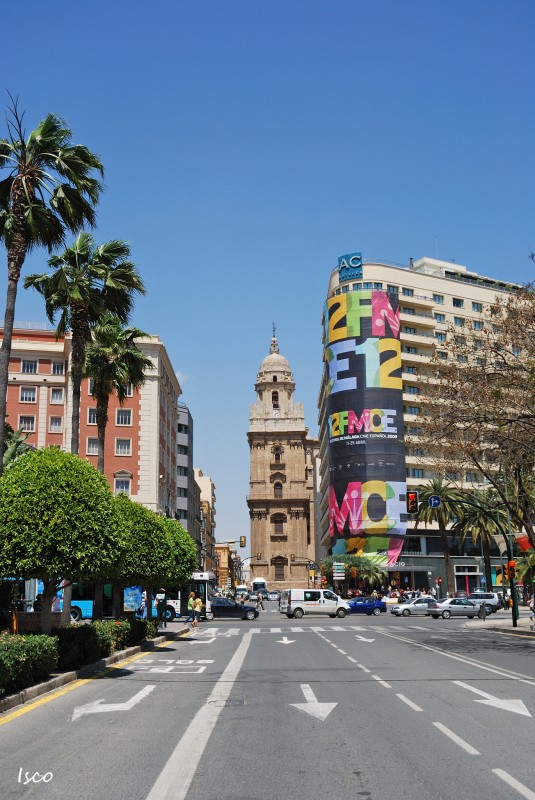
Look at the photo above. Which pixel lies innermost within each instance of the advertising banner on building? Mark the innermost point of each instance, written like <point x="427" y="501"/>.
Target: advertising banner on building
<point x="367" y="478"/>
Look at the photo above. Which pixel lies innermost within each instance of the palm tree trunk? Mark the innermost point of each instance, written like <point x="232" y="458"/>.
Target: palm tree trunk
<point x="102" y="421"/>
<point x="486" y="560"/>
<point x="450" y="580"/>
<point x="15" y="260"/>
<point x="79" y="333"/>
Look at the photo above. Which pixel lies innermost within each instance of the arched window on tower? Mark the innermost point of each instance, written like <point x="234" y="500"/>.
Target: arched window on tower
<point x="277" y="455"/>
<point x="275" y="399"/>
<point x="277" y="490"/>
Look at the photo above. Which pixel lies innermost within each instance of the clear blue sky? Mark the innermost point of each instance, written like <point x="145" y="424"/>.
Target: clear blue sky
<point x="247" y="144"/>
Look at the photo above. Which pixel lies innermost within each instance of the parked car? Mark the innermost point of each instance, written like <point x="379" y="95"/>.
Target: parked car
<point x="366" y="605"/>
<point x="491" y="599"/>
<point x="225" y="607"/>
<point x="274" y="595"/>
<point x="416" y="606"/>
<point x="453" y="607"/>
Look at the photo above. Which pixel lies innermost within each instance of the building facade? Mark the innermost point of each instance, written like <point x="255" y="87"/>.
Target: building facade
<point x="141" y="435"/>
<point x="382" y="323"/>
<point x="207" y="512"/>
<point x="282" y="458"/>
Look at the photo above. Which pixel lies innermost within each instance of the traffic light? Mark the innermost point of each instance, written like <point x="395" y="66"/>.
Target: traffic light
<point x="259" y="556"/>
<point x="412" y="502"/>
<point x="512" y="569"/>
<point x="243" y="541"/>
<point x="439" y="581"/>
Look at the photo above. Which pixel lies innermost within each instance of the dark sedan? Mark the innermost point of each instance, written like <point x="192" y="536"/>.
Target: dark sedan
<point x="225" y="607"/>
<point x="367" y="605"/>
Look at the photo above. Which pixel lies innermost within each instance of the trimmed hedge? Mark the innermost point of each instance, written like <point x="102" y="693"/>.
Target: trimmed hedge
<point x="26" y="661"/>
<point x="82" y="644"/>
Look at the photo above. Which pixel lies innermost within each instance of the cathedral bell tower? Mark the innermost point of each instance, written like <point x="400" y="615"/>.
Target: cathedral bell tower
<point x="281" y="479"/>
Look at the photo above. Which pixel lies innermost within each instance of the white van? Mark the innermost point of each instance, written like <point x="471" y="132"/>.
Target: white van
<point x="297" y="602"/>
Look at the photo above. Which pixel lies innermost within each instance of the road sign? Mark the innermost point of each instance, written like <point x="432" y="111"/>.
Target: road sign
<point x="434" y="501"/>
<point x="482" y="581"/>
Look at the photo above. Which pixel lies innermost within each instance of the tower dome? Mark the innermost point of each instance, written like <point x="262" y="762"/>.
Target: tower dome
<point x="274" y="364"/>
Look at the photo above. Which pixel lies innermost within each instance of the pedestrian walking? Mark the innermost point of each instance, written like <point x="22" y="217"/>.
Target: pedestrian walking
<point x="260" y="601"/>
<point x="197" y="607"/>
<point x="160" y="608"/>
<point x="482" y="613"/>
<point x="191" y="610"/>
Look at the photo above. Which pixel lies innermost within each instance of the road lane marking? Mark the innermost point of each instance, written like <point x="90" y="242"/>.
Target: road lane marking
<point x="100" y="707"/>
<point x="174" y="780"/>
<point x="514" y="784"/>
<point x="363" y="668"/>
<point x="354" y="660"/>
<point x="409" y="702"/>
<point x="517" y="676"/>
<point x="516" y="706"/>
<point x="457" y="739"/>
<point x="316" y="709"/>
<point x="343" y="652"/>
<point x="381" y="681"/>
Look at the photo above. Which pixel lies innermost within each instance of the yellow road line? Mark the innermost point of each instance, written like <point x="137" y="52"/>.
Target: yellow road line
<point x="49" y="696"/>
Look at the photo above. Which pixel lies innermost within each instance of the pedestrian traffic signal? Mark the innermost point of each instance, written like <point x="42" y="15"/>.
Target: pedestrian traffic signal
<point x="412" y="502"/>
<point x="512" y="569"/>
<point x="243" y="541"/>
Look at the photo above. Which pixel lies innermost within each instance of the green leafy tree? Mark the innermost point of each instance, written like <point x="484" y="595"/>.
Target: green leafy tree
<point x="113" y="361"/>
<point x="88" y="280"/>
<point x="147" y="556"/>
<point x="449" y="508"/>
<point x="184" y="552"/>
<point x="49" y="189"/>
<point x="369" y="568"/>
<point x="57" y="518"/>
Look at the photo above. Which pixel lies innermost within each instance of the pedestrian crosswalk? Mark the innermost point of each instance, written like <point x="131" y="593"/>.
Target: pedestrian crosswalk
<point x="211" y="632"/>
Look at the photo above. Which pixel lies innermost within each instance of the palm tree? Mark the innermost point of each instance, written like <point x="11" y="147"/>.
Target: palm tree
<point x="482" y="519"/>
<point x="88" y="281"/>
<point x="49" y="189"/>
<point x="449" y="508"/>
<point x="113" y="361"/>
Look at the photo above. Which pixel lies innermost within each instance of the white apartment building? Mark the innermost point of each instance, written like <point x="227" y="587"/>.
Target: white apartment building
<point x="433" y="296"/>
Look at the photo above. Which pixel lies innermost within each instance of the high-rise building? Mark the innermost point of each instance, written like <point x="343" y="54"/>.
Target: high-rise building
<point x="282" y="458"/>
<point x="382" y="323"/>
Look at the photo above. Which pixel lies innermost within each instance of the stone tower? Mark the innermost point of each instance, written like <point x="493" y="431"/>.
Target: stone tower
<point x="282" y="458"/>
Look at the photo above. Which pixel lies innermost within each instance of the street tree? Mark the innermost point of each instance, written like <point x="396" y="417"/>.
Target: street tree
<point x="88" y="281"/>
<point x="481" y="516"/>
<point x="147" y="556"/>
<point x="478" y="410"/>
<point x="57" y="518"/>
<point x="449" y="509"/>
<point x="114" y="363"/>
<point x="184" y="552"/>
<point x="49" y="189"/>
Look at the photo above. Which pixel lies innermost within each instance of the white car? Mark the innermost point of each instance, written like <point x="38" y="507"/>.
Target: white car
<point x="454" y="607"/>
<point x="416" y="606"/>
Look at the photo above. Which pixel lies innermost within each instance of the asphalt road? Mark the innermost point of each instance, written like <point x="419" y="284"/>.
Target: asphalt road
<point x="365" y="707"/>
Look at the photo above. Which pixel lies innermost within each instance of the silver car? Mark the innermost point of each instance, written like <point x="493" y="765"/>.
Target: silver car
<point x="453" y="607"/>
<point x="416" y="606"/>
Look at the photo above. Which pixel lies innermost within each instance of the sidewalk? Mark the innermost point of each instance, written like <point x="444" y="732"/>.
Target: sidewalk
<point x="502" y="621"/>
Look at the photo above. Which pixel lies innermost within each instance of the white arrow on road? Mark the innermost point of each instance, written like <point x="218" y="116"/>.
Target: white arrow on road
<point x="98" y="706"/>
<point x="285" y="640"/>
<point x="516" y="706"/>
<point x="319" y="710"/>
<point x="362" y="639"/>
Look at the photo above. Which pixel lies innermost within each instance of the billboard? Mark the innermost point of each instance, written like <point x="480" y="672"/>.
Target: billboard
<point x="367" y="478"/>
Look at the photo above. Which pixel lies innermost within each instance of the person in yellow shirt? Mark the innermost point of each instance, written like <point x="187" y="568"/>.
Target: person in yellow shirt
<point x="197" y="606"/>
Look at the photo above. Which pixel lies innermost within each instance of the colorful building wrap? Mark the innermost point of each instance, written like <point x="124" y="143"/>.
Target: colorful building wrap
<point x="367" y="486"/>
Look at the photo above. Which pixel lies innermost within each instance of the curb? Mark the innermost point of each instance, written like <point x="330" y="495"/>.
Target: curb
<point x="19" y="698"/>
